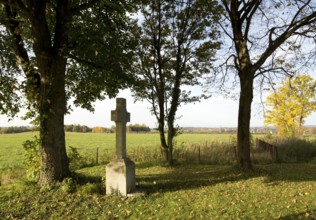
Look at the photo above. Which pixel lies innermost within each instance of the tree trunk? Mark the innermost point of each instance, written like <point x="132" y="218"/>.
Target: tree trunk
<point x="54" y="160"/>
<point x="163" y="142"/>
<point x="170" y="142"/>
<point x="244" y="115"/>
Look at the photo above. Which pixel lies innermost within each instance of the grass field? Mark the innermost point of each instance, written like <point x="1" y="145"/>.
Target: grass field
<point x="186" y="191"/>
<point x="11" y="151"/>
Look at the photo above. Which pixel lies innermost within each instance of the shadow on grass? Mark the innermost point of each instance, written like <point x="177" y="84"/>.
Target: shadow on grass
<point x="183" y="177"/>
<point x="82" y="179"/>
<point x="303" y="215"/>
<point x="154" y="177"/>
<point x="291" y="172"/>
<point x="194" y="176"/>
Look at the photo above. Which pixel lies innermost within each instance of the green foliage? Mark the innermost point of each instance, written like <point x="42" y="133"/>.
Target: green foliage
<point x="31" y="158"/>
<point x="98" y="48"/>
<point x="101" y="58"/>
<point x="76" y="161"/>
<point x="68" y="185"/>
<point x="177" y="44"/>
<point x="10" y="99"/>
<point x="290" y="104"/>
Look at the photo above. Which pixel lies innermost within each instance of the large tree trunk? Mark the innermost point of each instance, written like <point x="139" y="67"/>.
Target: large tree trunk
<point x="54" y="160"/>
<point x="244" y="115"/>
<point x="51" y="61"/>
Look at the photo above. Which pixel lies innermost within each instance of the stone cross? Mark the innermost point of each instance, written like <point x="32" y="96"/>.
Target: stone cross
<point x="120" y="116"/>
<point x="120" y="172"/>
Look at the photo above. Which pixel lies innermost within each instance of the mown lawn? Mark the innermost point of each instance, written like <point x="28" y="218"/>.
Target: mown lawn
<point x="187" y="191"/>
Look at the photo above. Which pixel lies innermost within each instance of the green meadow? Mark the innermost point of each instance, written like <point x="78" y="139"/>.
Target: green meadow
<point x="11" y="151"/>
<point x="208" y="188"/>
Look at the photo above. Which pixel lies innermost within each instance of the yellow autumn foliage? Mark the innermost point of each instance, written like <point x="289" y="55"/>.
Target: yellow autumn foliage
<point x="290" y="104"/>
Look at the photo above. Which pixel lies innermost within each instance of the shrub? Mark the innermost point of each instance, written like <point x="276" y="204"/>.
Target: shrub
<point x="68" y="185"/>
<point x="31" y="158"/>
<point x="76" y="161"/>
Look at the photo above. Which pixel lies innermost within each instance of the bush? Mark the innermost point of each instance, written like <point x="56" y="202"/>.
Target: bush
<point x="76" y="161"/>
<point x="68" y="185"/>
<point x="31" y="158"/>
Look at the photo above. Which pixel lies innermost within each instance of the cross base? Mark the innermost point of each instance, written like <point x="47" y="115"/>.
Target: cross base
<point x="120" y="177"/>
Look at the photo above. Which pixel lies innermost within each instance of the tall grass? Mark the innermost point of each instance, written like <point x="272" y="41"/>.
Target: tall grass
<point x="296" y="150"/>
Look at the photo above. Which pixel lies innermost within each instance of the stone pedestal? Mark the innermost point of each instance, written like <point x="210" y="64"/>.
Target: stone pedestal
<point x="120" y="177"/>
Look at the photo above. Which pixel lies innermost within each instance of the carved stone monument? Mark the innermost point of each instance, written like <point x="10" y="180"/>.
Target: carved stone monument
<point x="120" y="173"/>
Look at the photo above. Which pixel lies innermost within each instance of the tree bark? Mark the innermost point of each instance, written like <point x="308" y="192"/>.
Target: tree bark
<point x="54" y="160"/>
<point x="170" y="142"/>
<point x="172" y="114"/>
<point x="163" y="142"/>
<point x="51" y="62"/>
<point x="244" y="116"/>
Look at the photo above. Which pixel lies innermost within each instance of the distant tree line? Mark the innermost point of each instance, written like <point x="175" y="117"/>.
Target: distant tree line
<point x="86" y="129"/>
<point x="77" y="128"/>
<point x="15" y="129"/>
<point x="142" y="128"/>
<point x="103" y="130"/>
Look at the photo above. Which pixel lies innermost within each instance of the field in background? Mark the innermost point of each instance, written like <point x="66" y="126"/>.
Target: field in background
<point x="11" y="150"/>
<point x="202" y="148"/>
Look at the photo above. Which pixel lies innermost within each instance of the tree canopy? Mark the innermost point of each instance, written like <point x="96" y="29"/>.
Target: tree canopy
<point x="55" y="51"/>
<point x="261" y="35"/>
<point x="178" y="40"/>
<point x="290" y="104"/>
